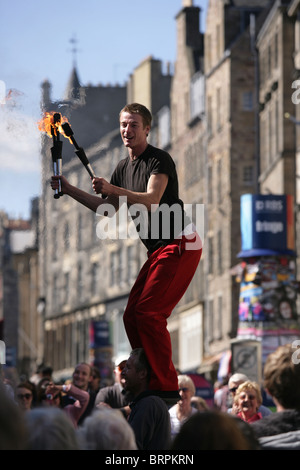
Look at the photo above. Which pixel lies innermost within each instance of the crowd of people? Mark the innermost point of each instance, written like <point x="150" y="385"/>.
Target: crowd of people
<point x="39" y="414"/>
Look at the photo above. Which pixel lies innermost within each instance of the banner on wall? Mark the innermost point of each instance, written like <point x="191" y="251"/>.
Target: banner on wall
<point x="267" y="225"/>
<point x="101" y="349"/>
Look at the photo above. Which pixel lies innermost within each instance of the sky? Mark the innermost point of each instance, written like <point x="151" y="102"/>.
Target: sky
<point x="41" y="40"/>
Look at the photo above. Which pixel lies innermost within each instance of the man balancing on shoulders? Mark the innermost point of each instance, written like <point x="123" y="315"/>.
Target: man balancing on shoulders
<point x="147" y="180"/>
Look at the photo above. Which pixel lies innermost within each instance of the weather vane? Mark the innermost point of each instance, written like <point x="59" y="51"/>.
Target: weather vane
<point x="74" y="49"/>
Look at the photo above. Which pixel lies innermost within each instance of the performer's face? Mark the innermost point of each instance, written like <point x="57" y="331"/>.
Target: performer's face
<point x="132" y="129"/>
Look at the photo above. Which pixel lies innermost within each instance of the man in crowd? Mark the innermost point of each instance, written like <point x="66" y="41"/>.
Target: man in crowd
<point x="81" y="378"/>
<point x="149" y="416"/>
<point x="114" y="396"/>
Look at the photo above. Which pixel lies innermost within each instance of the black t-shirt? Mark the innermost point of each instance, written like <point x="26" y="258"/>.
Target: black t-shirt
<point x="160" y="227"/>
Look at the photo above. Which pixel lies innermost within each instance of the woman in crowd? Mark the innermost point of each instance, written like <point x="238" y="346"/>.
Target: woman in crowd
<point x="247" y="400"/>
<point x="25" y="392"/>
<point x="75" y="410"/>
<point x="183" y="409"/>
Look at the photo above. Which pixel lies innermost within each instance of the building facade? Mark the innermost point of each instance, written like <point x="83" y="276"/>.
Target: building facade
<point x="221" y="116"/>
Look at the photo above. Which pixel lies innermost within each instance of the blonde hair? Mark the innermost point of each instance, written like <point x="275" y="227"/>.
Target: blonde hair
<point x="246" y="387"/>
<point x="186" y="381"/>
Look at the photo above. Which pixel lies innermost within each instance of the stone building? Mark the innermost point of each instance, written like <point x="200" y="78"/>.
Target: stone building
<point x="230" y="163"/>
<point x="275" y="45"/>
<point x="292" y="96"/>
<point x="21" y="325"/>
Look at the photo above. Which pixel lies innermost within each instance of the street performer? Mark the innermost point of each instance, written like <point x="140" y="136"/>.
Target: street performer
<point x="147" y="178"/>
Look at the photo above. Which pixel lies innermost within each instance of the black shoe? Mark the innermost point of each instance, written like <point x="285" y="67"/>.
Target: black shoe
<point x="170" y="397"/>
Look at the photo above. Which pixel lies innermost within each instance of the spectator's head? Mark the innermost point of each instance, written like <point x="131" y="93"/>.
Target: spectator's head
<point x="106" y="429"/>
<point x="234" y="382"/>
<point x="210" y="430"/>
<point x="199" y="403"/>
<point x="82" y="375"/>
<point x="25" y="395"/>
<point x="120" y="363"/>
<point x="12" y="426"/>
<point x="50" y="428"/>
<point x="95" y="382"/>
<point x="282" y="377"/>
<point x="248" y="399"/>
<point x="187" y="390"/>
<point x="136" y="373"/>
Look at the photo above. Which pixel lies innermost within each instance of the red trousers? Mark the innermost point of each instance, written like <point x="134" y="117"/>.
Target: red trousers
<point x="160" y="285"/>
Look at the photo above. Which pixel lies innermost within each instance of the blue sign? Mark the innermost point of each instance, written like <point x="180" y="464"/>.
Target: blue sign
<point x="99" y="334"/>
<point x="267" y="225"/>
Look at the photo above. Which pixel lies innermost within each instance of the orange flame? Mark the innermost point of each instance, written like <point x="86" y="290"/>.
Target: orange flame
<point x="47" y="124"/>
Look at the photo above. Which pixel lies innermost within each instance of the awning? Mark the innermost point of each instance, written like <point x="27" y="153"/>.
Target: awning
<point x="210" y="363"/>
<point x="218" y="362"/>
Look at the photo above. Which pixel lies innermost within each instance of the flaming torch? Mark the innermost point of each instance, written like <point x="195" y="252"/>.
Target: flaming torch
<point x="56" y="151"/>
<point x="79" y="150"/>
<point x="51" y="124"/>
<point x="54" y="124"/>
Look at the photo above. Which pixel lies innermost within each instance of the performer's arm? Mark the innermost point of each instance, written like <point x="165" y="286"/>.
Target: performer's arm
<point x="88" y="200"/>
<point x="155" y="189"/>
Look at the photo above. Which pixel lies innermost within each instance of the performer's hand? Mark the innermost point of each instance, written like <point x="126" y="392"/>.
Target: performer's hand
<point x="101" y="186"/>
<point x="55" y="183"/>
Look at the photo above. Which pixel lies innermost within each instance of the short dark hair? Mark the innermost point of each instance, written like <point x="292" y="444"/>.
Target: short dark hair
<point x="282" y="377"/>
<point x="137" y="108"/>
<point x="141" y="361"/>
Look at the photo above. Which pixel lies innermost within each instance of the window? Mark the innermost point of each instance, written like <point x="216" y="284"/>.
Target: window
<point x="56" y="293"/>
<point x="197" y="95"/>
<point x="248" y="175"/>
<point x="210" y="190"/>
<point x="192" y="170"/>
<point x="67" y="288"/>
<point x="66" y="236"/>
<point x="164" y="126"/>
<point x="219" y="188"/>
<point x="80" y="232"/>
<point x="247" y="101"/>
<point x="210" y="320"/>
<point x="115" y="268"/>
<point x="218" y="110"/>
<point x="54" y="243"/>
<point x="80" y="282"/>
<point x="131" y="271"/>
<point x="95" y="278"/>
<point x="209" y="116"/>
<point x="220" y="252"/>
<point x="276" y="51"/>
<point x="210" y="255"/>
<point x="220" y="317"/>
